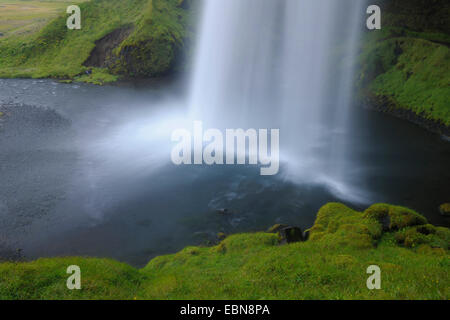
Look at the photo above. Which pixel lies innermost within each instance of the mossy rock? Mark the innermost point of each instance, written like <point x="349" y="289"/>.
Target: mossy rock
<point x="290" y="235"/>
<point x="426" y="249"/>
<point x="414" y="237"/>
<point x="338" y="225"/>
<point x="394" y="217"/>
<point x="221" y="236"/>
<point x="443" y="209"/>
<point x="287" y="234"/>
<point x="277" y="228"/>
<point x="239" y="242"/>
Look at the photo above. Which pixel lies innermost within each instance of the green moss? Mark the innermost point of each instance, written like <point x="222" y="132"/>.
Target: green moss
<point x="46" y="279"/>
<point x="411" y="72"/>
<point x="404" y="66"/>
<point x="255" y="266"/>
<point x="338" y="225"/>
<point x="98" y="76"/>
<point x="395" y="216"/>
<point x="55" y="51"/>
<point x="424" y="235"/>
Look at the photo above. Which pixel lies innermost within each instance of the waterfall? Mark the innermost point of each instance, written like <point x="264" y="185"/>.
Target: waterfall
<point x="284" y="64"/>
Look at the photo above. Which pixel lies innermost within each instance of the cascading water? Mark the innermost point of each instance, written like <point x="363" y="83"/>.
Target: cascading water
<point x="283" y="64"/>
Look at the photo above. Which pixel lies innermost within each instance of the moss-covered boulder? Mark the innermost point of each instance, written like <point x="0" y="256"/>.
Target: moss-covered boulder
<point x="221" y="236"/>
<point x="287" y="234"/>
<point x="434" y="237"/>
<point x="394" y="217"/>
<point x="157" y="43"/>
<point x="338" y="225"/>
<point x="444" y="209"/>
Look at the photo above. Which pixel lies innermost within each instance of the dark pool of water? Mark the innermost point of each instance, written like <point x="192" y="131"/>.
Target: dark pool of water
<point x="85" y="183"/>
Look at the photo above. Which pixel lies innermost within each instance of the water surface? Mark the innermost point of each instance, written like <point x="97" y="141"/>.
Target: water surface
<point x="97" y="179"/>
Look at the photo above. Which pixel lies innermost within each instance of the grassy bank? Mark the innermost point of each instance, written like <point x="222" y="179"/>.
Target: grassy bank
<point x="18" y="17"/>
<point x="405" y="66"/>
<point x="152" y="45"/>
<point x="413" y="257"/>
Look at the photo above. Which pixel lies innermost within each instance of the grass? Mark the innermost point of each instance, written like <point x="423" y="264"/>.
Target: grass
<point x="413" y="73"/>
<point x="56" y="52"/>
<point x="412" y="255"/>
<point x="406" y="64"/>
<point x="24" y="17"/>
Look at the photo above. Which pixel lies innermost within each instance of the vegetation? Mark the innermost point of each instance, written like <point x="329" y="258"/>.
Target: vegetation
<point x="19" y="17"/>
<point x="406" y="64"/>
<point x="151" y="49"/>
<point x="412" y="255"/>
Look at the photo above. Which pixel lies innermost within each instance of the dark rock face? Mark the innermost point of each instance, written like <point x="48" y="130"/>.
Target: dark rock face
<point x="385" y="105"/>
<point x="418" y="15"/>
<point x="291" y="235"/>
<point x="287" y="234"/>
<point x="306" y="235"/>
<point x="386" y="222"/>
<point x="102" y="55"/>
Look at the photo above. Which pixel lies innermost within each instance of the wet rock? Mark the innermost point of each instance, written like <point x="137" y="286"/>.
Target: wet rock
<point x="102" y="55"/>
<point x="277" y="228"/>
<point x="287" y="234"/>
<point x="290" y="235"/>
<point x="306" y="235"/>
<point x="385" y="222"/>
<point x="445" y="209"/>
<point x="223" y="212"/>
<point x="221" y="236"/>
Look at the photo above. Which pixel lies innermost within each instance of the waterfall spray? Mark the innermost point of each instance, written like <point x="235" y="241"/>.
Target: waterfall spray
<point x="284" y="64"/>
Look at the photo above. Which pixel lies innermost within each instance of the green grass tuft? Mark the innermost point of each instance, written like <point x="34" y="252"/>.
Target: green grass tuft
<point x="413" y="257"/>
